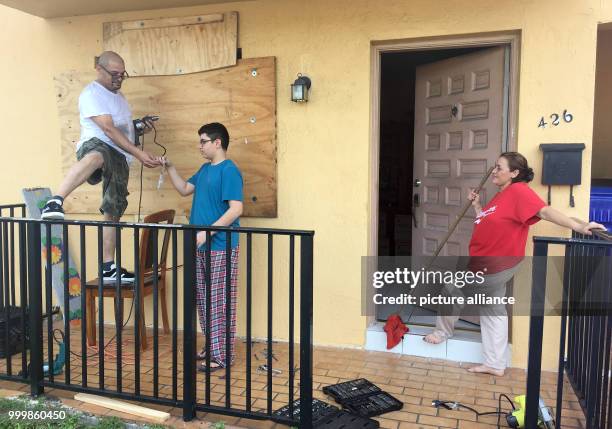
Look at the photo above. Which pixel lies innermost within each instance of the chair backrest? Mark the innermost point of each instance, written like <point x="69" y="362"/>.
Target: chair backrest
<point x="146" y="243"/>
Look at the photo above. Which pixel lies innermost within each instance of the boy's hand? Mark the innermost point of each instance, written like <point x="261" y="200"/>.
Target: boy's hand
<point x="201" y="238"/>
<point x="164" y="161"/>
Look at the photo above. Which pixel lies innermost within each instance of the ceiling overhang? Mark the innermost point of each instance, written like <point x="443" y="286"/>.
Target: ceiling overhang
<point x="66" y="8"/>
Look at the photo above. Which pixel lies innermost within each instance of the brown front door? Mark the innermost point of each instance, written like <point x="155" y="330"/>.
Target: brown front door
<point x="458" y="135"/>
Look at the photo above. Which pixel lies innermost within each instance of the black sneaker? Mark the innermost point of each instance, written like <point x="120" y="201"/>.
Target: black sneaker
<point x="110" y="276"/>
<point x="52" y="210"/>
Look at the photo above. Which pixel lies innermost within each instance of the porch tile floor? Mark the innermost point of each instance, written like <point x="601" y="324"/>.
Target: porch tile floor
<point x="413" y="380"/>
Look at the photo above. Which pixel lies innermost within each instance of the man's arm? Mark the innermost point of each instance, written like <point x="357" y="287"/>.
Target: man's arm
<point x="105" y="122"/>
<point x="183" y="187"/>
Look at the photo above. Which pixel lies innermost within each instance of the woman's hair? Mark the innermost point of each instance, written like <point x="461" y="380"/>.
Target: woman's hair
<point x="516" y="161"/>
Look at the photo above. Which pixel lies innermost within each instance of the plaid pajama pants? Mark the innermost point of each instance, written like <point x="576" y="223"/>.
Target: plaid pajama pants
<point x="217" y="300"/>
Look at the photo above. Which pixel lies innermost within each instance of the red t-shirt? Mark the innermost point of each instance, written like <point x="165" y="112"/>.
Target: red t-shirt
<point x="502" y="226"/>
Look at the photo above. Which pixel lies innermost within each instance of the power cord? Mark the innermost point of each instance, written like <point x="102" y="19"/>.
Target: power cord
<point x="63" y="335"/>
<point x="142" y="144"/>
<point x="141" y="171"/>
<point x="503" y="395"/>
<point x="453" y="405"/>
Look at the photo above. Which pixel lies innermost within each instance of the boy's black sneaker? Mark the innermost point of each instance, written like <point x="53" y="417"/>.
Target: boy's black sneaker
<point x="52" y="210"/>
<point x="110" y="276"/>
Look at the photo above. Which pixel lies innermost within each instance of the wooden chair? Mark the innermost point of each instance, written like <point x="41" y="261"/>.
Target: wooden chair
<point x="146" y="283"/>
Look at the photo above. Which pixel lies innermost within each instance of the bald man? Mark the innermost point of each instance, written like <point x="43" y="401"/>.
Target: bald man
<point x="104" y="152"/>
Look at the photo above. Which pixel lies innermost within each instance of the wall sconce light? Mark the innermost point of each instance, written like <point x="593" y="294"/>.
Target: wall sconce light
<point x="299" y="89"/>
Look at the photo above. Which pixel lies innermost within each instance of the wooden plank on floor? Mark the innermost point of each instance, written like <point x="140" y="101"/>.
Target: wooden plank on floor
<point x="8" y="393"/>
<point x="124" y="407"/>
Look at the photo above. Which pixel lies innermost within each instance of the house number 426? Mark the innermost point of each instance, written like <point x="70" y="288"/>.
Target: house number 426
<point x="555" y="119"/>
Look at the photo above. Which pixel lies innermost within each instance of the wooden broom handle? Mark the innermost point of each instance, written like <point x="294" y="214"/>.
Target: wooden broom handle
<point x="458" y="219"/>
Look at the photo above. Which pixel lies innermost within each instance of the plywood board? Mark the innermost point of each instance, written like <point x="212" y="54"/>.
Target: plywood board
<point x="241" y="97"/>
<point x="169" y="46"/>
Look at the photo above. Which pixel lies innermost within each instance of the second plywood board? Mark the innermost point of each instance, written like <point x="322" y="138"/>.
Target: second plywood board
<point x="169" y="46"/>
<point x="242" y="97"/>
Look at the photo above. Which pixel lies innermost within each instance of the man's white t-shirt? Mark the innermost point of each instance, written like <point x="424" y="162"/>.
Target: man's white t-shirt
<point x="95" y="100"/>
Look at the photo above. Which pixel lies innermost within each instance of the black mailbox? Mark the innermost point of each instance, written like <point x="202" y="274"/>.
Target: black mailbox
<point x="562" y="165"/>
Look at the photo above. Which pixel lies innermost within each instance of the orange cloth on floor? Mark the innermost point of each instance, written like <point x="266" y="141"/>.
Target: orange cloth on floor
<point x="395" y="330"/>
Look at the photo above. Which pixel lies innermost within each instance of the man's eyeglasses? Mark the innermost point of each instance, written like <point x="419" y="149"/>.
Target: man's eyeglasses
<point x="115" y="75"/>
<point x="204" y="141"/>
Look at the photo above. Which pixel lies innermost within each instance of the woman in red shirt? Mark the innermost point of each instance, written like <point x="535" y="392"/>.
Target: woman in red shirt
<point x="498" y="243"/>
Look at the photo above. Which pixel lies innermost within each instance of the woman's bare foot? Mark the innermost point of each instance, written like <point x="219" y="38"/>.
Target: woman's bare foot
<point x="483" y="369"/>
<point x="436" y="337"/>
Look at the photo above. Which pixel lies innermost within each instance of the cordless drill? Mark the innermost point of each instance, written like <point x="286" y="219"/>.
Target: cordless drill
<point x="516" y="419"/>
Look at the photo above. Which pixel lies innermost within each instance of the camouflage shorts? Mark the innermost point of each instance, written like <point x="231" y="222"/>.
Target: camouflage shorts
<point x="115" y="172"/>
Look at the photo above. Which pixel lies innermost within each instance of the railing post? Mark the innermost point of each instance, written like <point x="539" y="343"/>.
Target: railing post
<point x="189" y="325"/>
<point x="23" y="293"/>
<point x="567" y="273"/>
<point x="536" y="333"/>
<point x="306" y="302"/>
<point x="34" y="290"/>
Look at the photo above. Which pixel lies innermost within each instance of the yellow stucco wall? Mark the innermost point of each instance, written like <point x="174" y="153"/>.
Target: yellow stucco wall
<point x="323" y="146"/>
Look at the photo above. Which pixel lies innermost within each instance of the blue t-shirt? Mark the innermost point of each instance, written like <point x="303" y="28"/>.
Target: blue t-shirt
<point x="215" y="186"/>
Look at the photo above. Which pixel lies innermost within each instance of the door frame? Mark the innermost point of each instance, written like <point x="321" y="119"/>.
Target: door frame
<point x="510" y="38"/>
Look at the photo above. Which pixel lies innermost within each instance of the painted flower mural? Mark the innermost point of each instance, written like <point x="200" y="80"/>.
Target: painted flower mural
<point x="56" y="251"/>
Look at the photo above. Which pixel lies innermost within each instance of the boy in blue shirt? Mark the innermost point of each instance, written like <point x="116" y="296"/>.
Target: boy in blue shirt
<point x="217" y="201"/>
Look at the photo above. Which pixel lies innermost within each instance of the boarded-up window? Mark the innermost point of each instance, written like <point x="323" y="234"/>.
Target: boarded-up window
<point x="242" y="97"/>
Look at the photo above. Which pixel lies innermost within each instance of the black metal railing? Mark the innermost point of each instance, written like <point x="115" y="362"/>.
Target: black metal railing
<point x="586" y="327"/>
<point x="13" y="306"/>
<point x="26" y="290"/>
